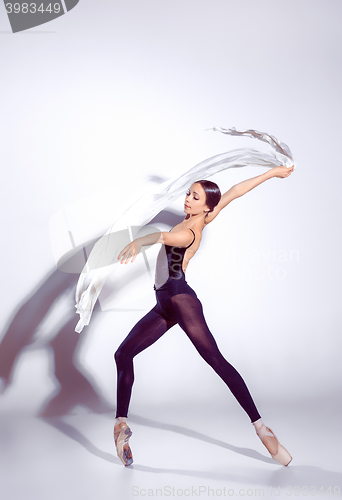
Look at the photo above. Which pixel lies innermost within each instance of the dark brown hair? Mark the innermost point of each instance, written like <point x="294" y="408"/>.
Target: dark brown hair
<point x="212" y="193"/>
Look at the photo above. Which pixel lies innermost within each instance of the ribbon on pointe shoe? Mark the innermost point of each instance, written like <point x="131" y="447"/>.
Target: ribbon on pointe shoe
<point x="122" y="433"/>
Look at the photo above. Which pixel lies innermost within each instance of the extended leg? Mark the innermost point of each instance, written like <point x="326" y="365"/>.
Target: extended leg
<point x="189" y="314"/>
<point x="147" y="331"/>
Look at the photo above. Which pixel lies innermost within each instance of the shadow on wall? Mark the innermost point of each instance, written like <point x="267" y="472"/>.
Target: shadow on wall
<point x="77" y="386"/>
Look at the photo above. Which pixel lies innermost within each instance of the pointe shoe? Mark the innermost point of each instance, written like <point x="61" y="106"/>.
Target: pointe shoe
<point x="122" y="433"/>
<point x="276" y="450"/>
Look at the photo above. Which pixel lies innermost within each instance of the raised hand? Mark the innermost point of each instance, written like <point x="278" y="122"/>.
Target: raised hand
<point x="282" y="171"/>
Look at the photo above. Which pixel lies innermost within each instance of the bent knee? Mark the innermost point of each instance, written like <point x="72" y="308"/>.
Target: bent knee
<point x="119" y="356"/>
<point x="123" y="355"/>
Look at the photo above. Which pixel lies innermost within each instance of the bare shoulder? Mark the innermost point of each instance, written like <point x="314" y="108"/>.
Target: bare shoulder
<point x="179" y="236"/>
<point x="176" y="228"/>
<point x="190" y="232"/>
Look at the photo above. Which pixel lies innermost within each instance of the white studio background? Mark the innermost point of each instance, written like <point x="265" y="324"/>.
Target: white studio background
<point x="100" y="99"/>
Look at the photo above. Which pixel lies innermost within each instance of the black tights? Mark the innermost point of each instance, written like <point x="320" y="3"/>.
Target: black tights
<point x="176" y="303"/>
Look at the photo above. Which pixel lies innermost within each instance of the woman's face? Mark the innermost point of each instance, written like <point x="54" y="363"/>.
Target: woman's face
<point x="195" y="200"/>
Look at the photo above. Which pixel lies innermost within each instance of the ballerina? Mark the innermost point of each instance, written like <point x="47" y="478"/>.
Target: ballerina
<point x="177" y="303"/>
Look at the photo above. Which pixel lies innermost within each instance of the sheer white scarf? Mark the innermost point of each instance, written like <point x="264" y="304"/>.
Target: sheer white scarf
<point x="102" y="260"/>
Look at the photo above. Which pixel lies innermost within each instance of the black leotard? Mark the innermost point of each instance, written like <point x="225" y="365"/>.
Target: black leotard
<point x="176" y="303"/>
<point x="170" y="264"/>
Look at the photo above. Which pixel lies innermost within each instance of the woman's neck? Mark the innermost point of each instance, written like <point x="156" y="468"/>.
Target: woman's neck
<point x="194" y="221"/>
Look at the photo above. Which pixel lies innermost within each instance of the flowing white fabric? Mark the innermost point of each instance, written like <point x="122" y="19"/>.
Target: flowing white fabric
<point x="102" y="260"/>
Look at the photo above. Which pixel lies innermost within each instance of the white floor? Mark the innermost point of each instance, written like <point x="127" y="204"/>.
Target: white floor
<point x="177" y="453"/>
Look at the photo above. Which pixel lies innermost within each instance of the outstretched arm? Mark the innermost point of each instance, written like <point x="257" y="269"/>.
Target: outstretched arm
<point x="243" y="187"/>
<point x="181" y="238"/>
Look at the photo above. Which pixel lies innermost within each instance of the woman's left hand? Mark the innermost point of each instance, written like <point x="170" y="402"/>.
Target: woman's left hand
<point x="130" y="252"/>
<point x="282" y="171"/>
